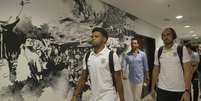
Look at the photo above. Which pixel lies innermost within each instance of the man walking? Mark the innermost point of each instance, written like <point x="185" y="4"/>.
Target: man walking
<point x="171" y="72"/>
<point x="106" y="85"/>
<point x="136" y="61"/>
<point x="194" y="73"/>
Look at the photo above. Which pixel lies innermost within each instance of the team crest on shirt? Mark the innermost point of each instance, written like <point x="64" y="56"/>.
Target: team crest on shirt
<point x="103" y="61"/>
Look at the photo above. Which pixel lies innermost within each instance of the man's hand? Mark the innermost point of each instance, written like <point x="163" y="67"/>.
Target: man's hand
<point x="147" y="80"/>
<point x="153" y="93"/>
<point x="185" y="96"/>
<point x="73" y="98"/>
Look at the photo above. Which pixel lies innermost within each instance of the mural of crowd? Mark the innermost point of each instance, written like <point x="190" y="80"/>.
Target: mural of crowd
<point x="41" y="54"/>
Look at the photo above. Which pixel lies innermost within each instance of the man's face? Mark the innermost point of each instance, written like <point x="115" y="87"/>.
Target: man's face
<point x="199" y="47"/>
<point x="134" y="44"/>
<point x="97" y="39"/>
<point x="167" y="37"/>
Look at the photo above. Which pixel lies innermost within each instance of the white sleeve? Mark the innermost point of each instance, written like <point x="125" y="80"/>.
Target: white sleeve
<point x="197" y="57"/>
<point x="156" y="62"/>
<point x="186" y="55"/>
<point x="117" y="65"/>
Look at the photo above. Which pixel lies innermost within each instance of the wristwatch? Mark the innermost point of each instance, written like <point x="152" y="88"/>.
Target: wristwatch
<point x="187" y="90"/>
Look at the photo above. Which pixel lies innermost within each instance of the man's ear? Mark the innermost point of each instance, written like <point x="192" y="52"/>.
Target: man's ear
<point x="105" y="40"/>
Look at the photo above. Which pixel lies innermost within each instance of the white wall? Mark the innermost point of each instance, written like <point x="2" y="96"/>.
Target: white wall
<point x="146" y="29"/>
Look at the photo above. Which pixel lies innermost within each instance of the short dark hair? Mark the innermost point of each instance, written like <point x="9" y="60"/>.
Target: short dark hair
<point x="174" y="34"/>
<point x="101" y="30"/>
<point x="190" y="46"/>
<point x="134" y="38"/>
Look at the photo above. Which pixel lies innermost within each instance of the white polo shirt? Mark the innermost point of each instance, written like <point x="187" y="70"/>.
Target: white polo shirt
<point x="171" y="76"/>
<point x="100" y="75"/>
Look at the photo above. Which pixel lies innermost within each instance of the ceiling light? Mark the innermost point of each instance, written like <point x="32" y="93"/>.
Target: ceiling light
<point x="179" y="17"/>
<point x="187" y="26"/>
<point x="194" y="35"/>
<point x="192" y="32"/>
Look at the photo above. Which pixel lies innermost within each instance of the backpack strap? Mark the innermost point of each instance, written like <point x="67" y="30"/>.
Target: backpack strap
<point x="180" y="54"/>
<point x="86" y="62"/>
<point x="160" y="50"/>
<point x="111" y="66"/>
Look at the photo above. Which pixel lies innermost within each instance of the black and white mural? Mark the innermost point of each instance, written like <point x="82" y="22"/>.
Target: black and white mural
<point x="42" y="44"/>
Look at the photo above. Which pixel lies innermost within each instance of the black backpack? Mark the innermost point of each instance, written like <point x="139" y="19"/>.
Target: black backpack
<point x="111" y="65"/>
<point x="179" y="52"/>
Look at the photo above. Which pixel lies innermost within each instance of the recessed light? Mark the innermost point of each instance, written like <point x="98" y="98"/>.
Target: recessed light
<point x="194" y="35"/>
<point x="179" y="17"/>
<point x="187" y="26"/>
<point x="192" y="31"/>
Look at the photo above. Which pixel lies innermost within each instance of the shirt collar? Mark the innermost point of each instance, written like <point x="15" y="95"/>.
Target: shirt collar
<point x="131" y="52"/>
<point x="173" y="47"/>
<point x="101" y="52"/>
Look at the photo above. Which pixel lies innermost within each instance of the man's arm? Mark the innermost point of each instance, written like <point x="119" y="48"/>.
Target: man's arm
<point x="194" y="66"/>
<point x="155" y="74"/>
<point x="187" y="81"/>
<point x="119" y="85"/>
<point x="146" y="77"/>
<point x="146" y="69"/>
<point x="80" y="85"/>
<point x="187" y="73"/>
<point x="124" y="68"/>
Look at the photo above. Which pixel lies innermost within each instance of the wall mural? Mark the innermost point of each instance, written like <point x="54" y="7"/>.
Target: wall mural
<point x="44" y="62"/>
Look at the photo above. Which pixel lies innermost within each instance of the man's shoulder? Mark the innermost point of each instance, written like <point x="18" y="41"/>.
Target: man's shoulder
<point x="129" y="53"/>
<point x="141" y="52"/>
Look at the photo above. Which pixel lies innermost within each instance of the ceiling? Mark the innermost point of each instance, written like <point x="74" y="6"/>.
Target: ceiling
<point x="162" y="13"/>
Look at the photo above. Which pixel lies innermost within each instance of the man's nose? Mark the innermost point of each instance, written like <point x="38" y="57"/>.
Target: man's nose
<point x="93" y="38"/>
<point x="164" y="37"/>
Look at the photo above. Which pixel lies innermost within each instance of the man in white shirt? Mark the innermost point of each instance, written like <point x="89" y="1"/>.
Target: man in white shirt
<point x="194" y="73"/>
<point x="199" y="65"/>
<point x="99" y="71"/>
<point x="172" y="77"/>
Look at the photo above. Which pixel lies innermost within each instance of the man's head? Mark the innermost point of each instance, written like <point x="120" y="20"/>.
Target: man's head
<point x="189" y="47"/>
<point x="134" y="43"/>
<point x="99" y="36"/>
<point x="168" y="36"/>
<point x="199" y="48"/>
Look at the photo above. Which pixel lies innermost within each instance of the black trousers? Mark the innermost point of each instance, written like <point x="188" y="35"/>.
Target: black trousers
<point x="164" y="95"/>
<point x="195" y="90"/>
